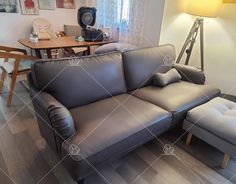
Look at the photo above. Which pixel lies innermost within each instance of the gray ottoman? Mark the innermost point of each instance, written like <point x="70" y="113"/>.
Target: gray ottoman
<point x="214" y="123"/>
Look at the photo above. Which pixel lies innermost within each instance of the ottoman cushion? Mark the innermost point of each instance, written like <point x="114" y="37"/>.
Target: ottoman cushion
<point x="217" y="117"/>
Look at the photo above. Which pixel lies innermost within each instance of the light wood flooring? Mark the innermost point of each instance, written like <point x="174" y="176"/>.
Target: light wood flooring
<point x="25" y="158"/>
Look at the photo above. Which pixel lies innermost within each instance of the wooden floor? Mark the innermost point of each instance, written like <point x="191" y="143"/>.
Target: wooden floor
<point x="25" y="158"/>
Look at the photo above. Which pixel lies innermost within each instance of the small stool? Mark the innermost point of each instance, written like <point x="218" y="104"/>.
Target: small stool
<point x="214" y="123"/>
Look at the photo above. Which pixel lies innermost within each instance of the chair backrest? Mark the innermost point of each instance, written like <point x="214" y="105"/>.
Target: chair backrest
<point x="10" y="52"/>
<point x="80" y="81"/>
<point x="12" y="49"/>
<point x="71" y="30"/>
<point x="16" y="54"/>
<point x="141" y="64"/>
<point x="43" y="28"/>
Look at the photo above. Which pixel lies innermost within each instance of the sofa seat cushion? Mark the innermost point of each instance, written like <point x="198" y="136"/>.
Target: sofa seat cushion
<point x="217" y="117"/>
<point x="106" y="130"/>
<point x="105" y="123"/>
<point x="177" y="98"/>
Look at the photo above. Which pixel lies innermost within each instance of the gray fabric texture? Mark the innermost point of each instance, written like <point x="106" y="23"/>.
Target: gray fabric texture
<point x="218" y="117"/>
<point x="210" y="138"/>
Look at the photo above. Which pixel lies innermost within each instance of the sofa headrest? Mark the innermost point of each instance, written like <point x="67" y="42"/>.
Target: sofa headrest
<point x="79" y="81"/>
<point x="141" y="64"/>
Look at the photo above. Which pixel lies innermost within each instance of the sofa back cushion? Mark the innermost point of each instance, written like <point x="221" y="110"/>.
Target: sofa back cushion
<point x="79" y="81"/>
<point x="141" y="64"/>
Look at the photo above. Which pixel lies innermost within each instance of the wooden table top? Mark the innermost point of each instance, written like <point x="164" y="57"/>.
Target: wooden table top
<point x="60" y="42"/>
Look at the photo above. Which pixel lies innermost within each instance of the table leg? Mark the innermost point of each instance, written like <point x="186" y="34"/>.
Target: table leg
<point x="225" y="161"/>
<point x="189" y="138"/>
<point x="89" y="50"/>
<point x="49" y="53"/>
<point x="38" y="54"/>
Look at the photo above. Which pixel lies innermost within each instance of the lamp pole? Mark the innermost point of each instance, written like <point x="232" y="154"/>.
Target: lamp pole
<point x="191" y="40"/>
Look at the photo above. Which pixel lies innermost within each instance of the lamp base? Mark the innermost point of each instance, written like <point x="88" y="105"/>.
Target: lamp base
<point x="190" y="41"/>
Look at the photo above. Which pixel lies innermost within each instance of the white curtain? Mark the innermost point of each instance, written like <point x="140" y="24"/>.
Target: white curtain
<point x="127" y="16"/>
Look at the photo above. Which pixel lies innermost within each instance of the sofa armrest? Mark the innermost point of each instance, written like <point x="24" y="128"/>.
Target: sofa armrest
<point x="58" y="115"/>
<point x="190" y="74"/>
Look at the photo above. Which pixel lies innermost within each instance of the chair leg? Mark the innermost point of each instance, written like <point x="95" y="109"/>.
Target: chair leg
<point x="81" y="181"/>
<point x="225" y="161"/>
<point x="11" y="90"/>
<point x="189" y="138"/>
<point x="3" y="76"/>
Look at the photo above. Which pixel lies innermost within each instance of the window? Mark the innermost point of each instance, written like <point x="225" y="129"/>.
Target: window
<point x="113" y="12"/>
<point x="125" y="11"/>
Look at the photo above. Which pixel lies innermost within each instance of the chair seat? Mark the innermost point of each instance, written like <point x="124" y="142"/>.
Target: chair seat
<point x="79" y="49"/>
<point x="9" y="66"/>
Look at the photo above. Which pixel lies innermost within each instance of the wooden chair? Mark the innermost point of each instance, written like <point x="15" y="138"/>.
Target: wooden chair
<point x="16" y="62"/>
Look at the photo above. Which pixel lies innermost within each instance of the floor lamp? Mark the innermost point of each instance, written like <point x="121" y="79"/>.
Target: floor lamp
<point x="201" y="8"/>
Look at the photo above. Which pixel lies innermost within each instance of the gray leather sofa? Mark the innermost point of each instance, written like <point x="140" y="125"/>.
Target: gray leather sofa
<point x="104" y="106"/>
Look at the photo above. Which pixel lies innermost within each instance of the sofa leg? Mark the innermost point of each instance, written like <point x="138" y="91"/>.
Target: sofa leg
<point x="81" y="181"/>
<point x="189" y="138"/>
<point x="225" y="161"/>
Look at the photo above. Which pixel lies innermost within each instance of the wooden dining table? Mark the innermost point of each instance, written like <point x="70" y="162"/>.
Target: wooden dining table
<point x="58" y="43"/>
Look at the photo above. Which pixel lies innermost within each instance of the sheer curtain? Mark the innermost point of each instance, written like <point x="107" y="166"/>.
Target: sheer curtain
<point x="125" y="15"/>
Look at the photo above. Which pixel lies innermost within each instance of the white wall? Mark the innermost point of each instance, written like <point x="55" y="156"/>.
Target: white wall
<point x="15" y="25"/>
<point x="220" y="41"/>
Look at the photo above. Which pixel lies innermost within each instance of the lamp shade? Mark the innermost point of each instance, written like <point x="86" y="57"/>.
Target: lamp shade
<point x="203" y="8"/>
